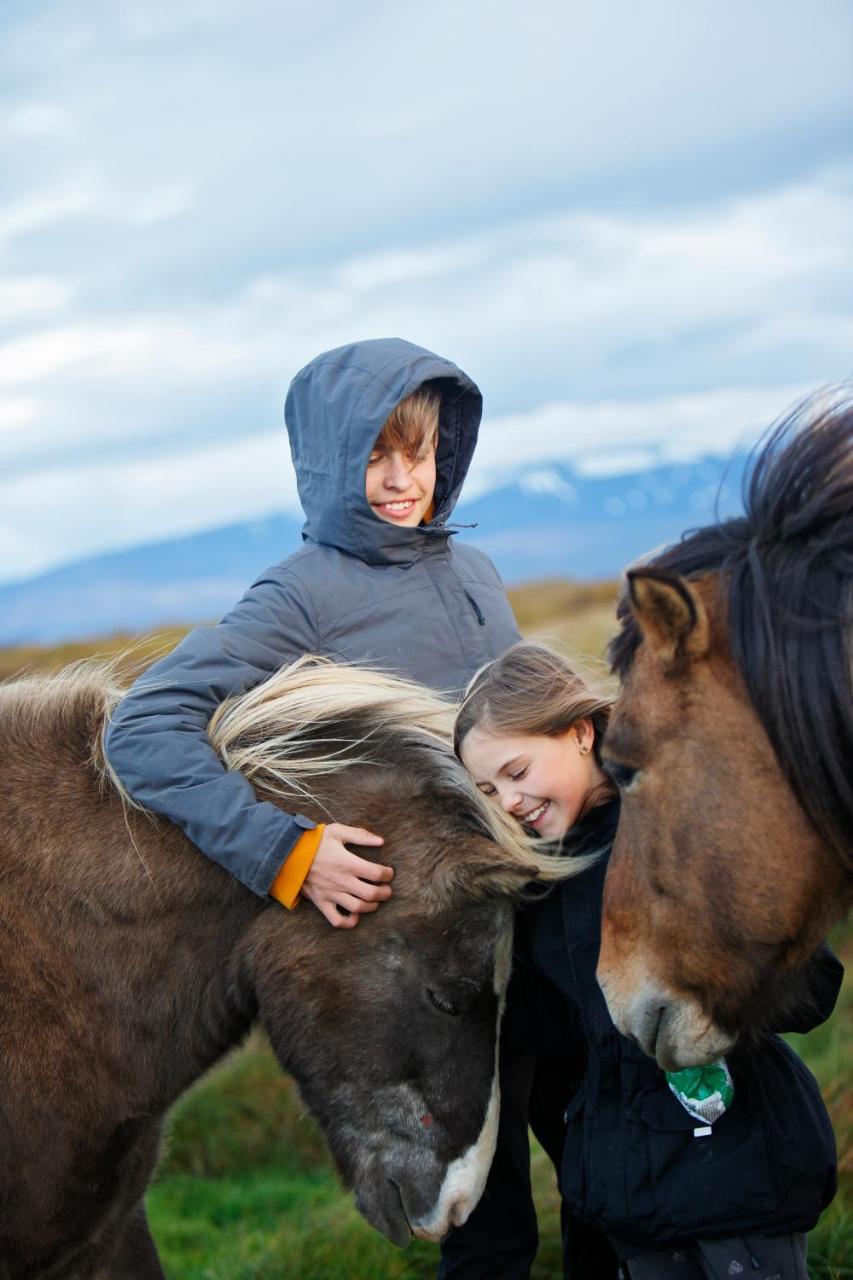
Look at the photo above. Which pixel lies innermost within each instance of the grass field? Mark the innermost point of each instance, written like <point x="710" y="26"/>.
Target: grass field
<point x="245" y="1190"/>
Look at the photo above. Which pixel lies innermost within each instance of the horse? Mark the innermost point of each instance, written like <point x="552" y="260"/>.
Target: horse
<point x="731" y="742"/>
<point x="129" y="963"/>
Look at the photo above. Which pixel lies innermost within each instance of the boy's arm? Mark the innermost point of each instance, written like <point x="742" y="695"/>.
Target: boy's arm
<point x="157" y="740"/>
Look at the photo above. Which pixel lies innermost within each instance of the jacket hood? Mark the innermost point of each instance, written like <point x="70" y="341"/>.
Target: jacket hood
<point x="335" y="409"/>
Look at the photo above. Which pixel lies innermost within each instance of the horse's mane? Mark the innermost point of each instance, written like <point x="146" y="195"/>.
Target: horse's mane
<point x="786" y="567"/>
<point x="316" y="717"/>
<point x="312" y="719"/>
<point x="66" y="709"/>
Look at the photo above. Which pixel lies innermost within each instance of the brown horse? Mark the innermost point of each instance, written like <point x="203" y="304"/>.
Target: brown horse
<point x="732" y="745"/>
<point x="129" y="964"/>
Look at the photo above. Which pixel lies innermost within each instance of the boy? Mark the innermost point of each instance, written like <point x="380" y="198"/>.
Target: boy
<point x="381" y="434"/>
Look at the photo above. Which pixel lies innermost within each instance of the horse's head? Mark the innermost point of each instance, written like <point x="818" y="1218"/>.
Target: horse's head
<point x="390" y="1030"/>
<point x="717" y="885"/>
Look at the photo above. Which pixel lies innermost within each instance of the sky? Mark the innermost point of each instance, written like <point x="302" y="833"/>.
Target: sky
<point x="631" y="224"/>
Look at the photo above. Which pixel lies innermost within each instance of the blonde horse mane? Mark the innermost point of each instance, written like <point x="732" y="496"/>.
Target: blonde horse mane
<point x="315" y="718"/>
<point x="298" y="726"/>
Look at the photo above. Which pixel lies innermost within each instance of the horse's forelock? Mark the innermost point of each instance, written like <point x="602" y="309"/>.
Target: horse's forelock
<point x="786" y="571"/>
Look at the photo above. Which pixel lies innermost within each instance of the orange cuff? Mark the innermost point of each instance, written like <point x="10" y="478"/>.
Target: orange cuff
<point x="291" y="876"/>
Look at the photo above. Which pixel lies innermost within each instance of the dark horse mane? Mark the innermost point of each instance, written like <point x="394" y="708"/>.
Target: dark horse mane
<point x="786" y="568"/>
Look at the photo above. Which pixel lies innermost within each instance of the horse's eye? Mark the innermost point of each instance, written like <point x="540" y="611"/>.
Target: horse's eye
<point x="440" y="1003"/>
<point x="622" y="774"/>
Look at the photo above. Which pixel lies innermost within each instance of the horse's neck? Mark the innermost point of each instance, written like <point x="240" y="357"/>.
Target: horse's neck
<point x="203" y="1000"/>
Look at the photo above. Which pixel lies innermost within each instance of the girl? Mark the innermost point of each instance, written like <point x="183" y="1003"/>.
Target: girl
<point x="676" y="1198"/>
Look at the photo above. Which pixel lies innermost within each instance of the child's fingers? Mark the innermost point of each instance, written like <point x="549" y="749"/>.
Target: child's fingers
<point x="356" y="905"/>
<point x="370" y="892"/>
<point x="374" y="872"/>
<point x="336" y="918"/>
<point x="354" y="835"/>
<point x="341" y="921"/>
<point x="365" y="892"/>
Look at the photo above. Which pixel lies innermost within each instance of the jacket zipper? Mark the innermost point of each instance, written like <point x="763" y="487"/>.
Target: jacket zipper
<point x="477" y="610"/>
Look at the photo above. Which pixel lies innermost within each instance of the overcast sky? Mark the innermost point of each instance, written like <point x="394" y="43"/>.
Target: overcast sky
<point x="631" y="224"/>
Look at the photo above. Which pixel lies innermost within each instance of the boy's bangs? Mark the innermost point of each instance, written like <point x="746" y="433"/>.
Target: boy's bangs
<point x="413" y="425"/>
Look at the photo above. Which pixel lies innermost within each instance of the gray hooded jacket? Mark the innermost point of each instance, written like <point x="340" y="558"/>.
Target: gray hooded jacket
<point x="360" y="590"/>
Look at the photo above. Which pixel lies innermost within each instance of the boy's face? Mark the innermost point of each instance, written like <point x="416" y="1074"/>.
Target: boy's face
<point x="400" y="486"/>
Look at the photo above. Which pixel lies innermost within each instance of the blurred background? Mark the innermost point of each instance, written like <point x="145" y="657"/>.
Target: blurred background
<point x="631" y="224"/>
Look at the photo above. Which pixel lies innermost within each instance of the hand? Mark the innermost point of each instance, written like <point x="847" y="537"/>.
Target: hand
<point x="339" y="878"/>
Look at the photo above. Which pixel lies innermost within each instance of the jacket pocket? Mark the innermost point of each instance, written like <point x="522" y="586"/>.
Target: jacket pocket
<point x="700" y="1182"/>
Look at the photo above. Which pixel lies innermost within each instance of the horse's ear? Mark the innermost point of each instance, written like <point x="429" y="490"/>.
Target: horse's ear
<point x="484" y="878"/>
<point x="671" y="616"/>
<point x="499" y="877"/>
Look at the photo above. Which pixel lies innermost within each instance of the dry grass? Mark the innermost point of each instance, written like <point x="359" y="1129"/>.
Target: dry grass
<point x="137" y="652"/>
<point x="576" y="617"/>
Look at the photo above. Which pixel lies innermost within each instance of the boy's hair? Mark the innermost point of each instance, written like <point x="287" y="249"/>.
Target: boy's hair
<point x="530" y="689"/>
<point x="413" y="425"/>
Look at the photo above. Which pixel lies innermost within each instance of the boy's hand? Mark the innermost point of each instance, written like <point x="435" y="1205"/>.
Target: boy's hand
<point x="339" y="878"/>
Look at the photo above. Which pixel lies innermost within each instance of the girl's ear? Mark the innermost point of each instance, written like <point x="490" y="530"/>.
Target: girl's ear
<point x="581" y="736"/>
<point x="585" y="731"/>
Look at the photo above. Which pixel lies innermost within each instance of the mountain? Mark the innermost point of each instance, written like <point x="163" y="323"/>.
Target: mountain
<point x="546" y="522"/>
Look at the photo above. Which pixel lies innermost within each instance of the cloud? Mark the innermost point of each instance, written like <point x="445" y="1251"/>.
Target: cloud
<point x="138" y="500"/>
<point x="309" y="130"/>
<point x="567" y="307"/>
<point x="17" y="411"/>
<point x="22" y="297"/>
<point x="614" y="218"/>
<point x="613" y="437"/>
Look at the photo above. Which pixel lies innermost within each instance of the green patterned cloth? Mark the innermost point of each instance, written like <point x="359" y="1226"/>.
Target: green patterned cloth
<point x="704" y="1092"/>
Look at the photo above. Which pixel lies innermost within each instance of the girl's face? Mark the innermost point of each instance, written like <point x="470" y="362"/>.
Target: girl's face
<point x="543" y="781"/>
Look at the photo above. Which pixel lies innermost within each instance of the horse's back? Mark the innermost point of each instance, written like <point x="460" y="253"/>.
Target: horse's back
<point x="59" y="813"/>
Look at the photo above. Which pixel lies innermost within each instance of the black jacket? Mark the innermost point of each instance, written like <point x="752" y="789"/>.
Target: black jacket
<point x="632" y="1165"/>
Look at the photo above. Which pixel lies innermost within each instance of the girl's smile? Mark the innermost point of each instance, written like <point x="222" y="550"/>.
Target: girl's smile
<point x="535" y="815"/>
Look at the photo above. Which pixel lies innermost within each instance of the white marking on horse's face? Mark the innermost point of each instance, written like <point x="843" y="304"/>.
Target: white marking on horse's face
<point x="466" y="1176"/>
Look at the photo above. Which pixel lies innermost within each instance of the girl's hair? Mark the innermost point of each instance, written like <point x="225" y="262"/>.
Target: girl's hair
<point x="413" y="425"/>
<point x="531" y="689"/>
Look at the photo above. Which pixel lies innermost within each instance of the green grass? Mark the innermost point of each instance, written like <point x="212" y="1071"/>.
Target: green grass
<point x="246" y="1191"/>
<point x="266" y="1225"/>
